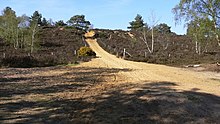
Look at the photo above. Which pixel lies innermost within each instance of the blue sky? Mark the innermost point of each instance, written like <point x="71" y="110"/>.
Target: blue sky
<point x="107" y="14"/>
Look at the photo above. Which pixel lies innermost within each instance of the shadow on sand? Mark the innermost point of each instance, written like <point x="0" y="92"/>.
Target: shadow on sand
<point x="151" y="102"/>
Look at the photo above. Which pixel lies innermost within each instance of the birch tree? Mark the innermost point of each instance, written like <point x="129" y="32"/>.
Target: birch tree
<point x="191" y="10"/>
<point x="199" y="32"/>
<point x="9" y="27"/>
<point x="24" y="27"/>
<point x="34" y="24"/>
<point x="144" y="37"/>
<point x="153" y="22"/>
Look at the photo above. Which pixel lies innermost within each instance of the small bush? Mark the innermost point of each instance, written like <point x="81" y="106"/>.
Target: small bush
<point x="86" y="51"/>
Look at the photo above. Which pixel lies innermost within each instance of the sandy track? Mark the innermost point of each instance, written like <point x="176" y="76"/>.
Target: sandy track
<point x="140" y="72"/>
<point x="108" y="90"/>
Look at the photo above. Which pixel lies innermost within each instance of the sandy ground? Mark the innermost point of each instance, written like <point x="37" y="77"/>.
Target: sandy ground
<point x="142" y="72"/>
<point x="109" y="90"/>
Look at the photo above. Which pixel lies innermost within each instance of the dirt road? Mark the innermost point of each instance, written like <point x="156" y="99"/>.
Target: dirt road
<point x="108" y="90"/>
<point x="139" y="72"/>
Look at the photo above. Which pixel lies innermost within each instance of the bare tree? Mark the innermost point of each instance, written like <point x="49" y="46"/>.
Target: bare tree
<point x="144" y="38"/>
<point x="153" y="22"/>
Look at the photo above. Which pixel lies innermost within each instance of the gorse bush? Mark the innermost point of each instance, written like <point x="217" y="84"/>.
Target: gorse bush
<point x="86" y="51"/>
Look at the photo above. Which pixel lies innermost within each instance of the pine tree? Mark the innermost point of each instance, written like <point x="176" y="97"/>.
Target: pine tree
<point x="79" y="22"/>
<point x="137" y="23"/>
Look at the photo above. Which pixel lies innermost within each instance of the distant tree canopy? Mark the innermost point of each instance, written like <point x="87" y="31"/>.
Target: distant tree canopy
<point x="137" y="23"/>
<point x="60" y="23"/>
<point x="44" y="22"/>
<point x="79" y="22"/>
<point x="36" y="17"/>
<point x="163" y="28"/>
<point x="200" y="12"/>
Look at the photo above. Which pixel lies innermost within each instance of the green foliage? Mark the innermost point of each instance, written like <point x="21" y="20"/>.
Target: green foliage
<point x="163" y="28"/>
<point x="9" y="25"/>
<point x="138" y="23"/>
<point x="193" y="9"/>
<point x="86" y="51"/>
<point x="36" y="18"/>
<point x="79" y="22"/>
<point x="199" y="32"/>
<point x="44" y="22"/>
<point x="60" y="23"/>
<point x="19" y="31"/>
<point x="199" y="28"/>
<point x="197" y="11"/>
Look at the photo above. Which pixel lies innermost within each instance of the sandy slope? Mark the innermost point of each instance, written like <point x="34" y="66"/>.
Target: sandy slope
<point x="143" y="72"/>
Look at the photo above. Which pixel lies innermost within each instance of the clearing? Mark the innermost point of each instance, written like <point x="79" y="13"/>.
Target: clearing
<point x="108" y="90"/>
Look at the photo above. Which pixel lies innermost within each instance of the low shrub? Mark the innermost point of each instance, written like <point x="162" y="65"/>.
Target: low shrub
<point x="19" y="61"/>
<point x="86" y="51"/>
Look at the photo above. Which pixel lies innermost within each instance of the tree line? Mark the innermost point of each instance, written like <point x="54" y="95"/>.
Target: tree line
<point x="201" y="18"/>
<point x="21" y="31"/>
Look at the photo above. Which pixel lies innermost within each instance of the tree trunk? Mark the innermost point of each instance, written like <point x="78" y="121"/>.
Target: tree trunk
<point x="22" y="40"/>
<point x="217" y="38"/>
<point x="17" y="44"/>
<point x="216" y="31"/>
<point x="214" y="19"/>
<point x="152" y="44"/>
<point x="199" y="48"/>
<point x="145" y="41"/>
<point x="33" y="38"/>
<point x="124" y="53"/>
